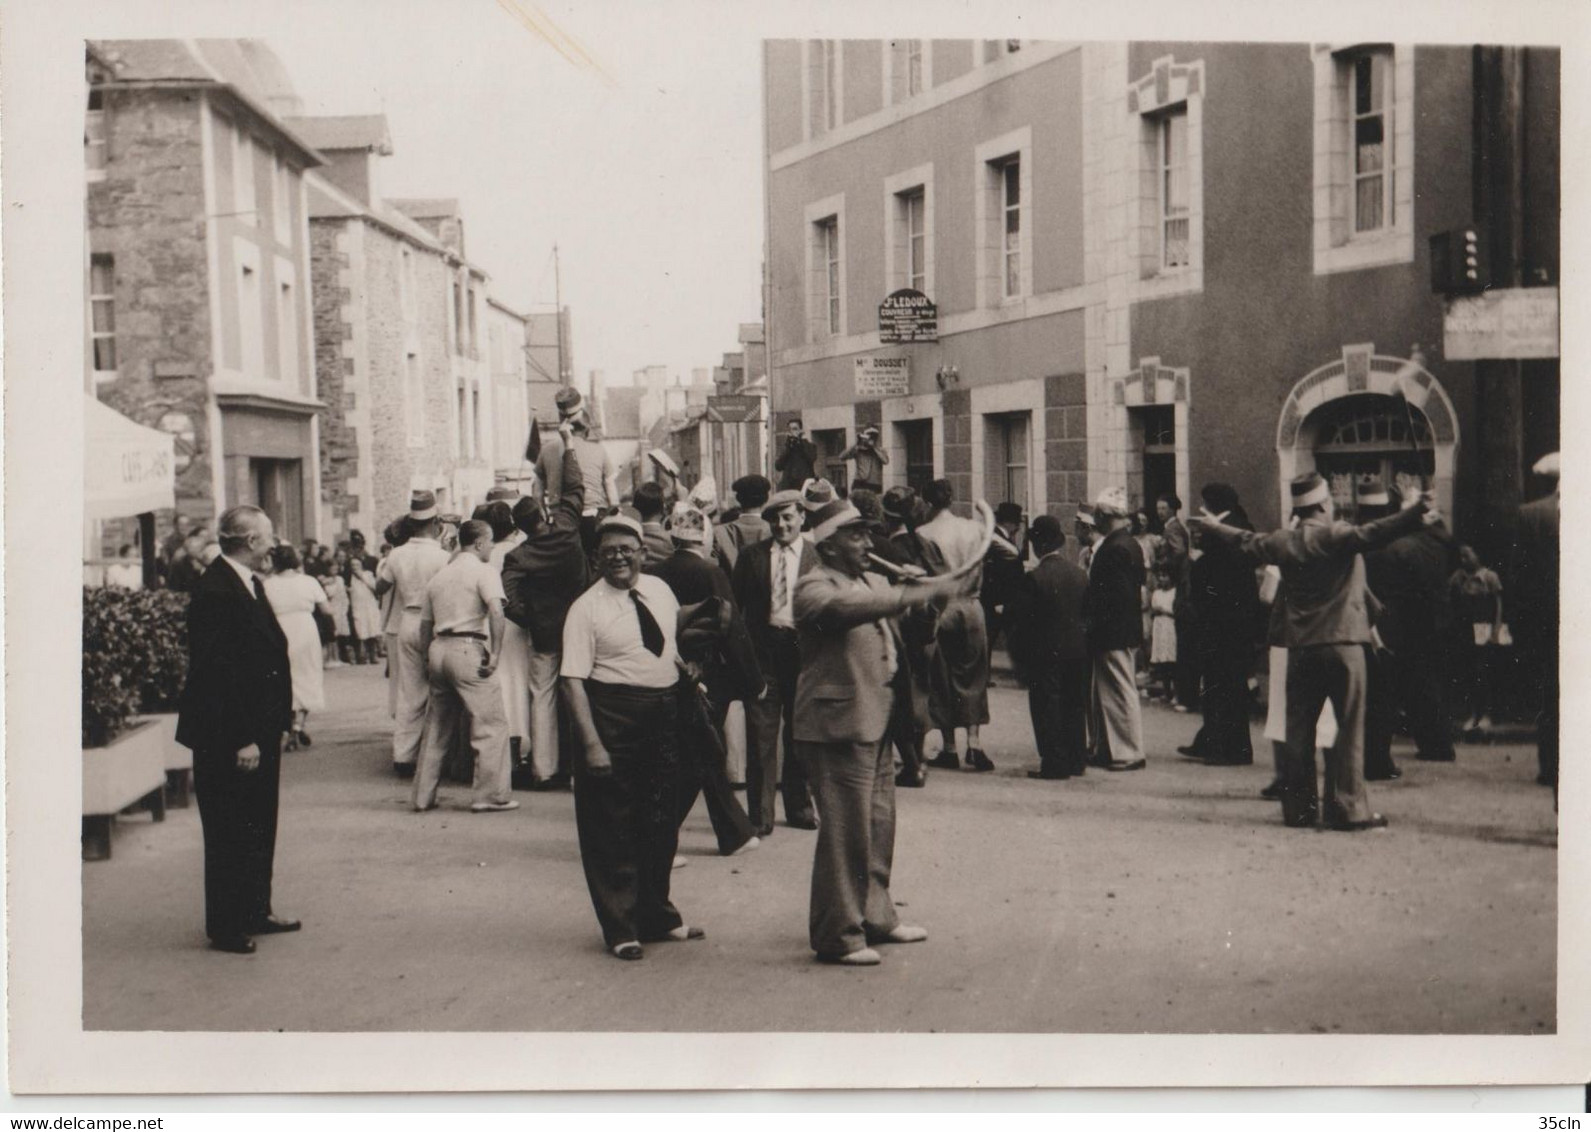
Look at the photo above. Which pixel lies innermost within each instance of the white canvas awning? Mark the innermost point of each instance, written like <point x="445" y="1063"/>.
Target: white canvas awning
<point x="127" y="468"/>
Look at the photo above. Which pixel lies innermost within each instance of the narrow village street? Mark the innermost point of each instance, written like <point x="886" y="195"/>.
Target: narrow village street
<point x="1170" y="900"/>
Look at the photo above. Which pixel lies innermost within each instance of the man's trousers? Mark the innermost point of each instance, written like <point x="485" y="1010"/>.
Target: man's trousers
<point x="237" y="813"/>
<point x="457" y="686"/>
<point x="626" y="819"/>
<point x="854" y="784"/>
<point x="1118" y="719"/>
<point x="1058" y="705"/>
<point x="1315" y="674"/>
<point x="763" y="719"/>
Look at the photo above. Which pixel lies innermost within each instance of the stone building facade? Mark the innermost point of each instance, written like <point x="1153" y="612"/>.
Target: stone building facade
<point x="199" y="318"/>
<point x="408" y="389"/>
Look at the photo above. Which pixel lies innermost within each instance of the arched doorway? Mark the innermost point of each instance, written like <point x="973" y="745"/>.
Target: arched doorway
<point x="1343" y="421"/>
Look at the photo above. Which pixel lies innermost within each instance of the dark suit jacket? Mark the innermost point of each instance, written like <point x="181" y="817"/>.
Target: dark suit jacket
<point x="753" y="586"/>
<point x="239" y="690"/>
<point x="1114" y="614"/>
<point x="798" y="461"/>
<point x="729" y="664"/>
<point x="1046" y="612"/>
<point x="1406" y="577"/>
<point x="543" y="575"/>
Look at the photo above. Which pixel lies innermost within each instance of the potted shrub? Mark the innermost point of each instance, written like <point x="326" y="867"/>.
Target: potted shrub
<point x="124" y="762"/>
<point x="162" y="620"/>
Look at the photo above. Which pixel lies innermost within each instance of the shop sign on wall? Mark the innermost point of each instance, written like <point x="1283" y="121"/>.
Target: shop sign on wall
<point x="882" y="377"/>
<point x="908" y="316"/>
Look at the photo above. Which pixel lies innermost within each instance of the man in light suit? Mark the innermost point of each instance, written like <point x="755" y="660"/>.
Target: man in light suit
<point x="765" y="593"/>
<point x="852" y="671"/>
<point x="1325" y="624"/>
<point x="237" y="703"/>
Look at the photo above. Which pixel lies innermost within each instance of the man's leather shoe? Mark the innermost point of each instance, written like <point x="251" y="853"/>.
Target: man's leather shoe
<point x="556" y="782"/>
<point x="977" y="760"/>
<point x="1374" y="821"/>
<point x="1190" y="752"/>
<point x="403" y="770"/>
<point x="275" y="925"/>
<point x="900" y="933"/>
<point x="1056" y="777"/>
<point x="946" y="760"/>
<point x="801" y="821"/>
<point x="912" y="779"/>
<point x="1120" y="764"/>
<point x="865" y="957"/>
<point x="1443" y="757"/>
<point x="236" y="945"/>
<point x="1273" y="791"/>
<point x="1383" y="775"/>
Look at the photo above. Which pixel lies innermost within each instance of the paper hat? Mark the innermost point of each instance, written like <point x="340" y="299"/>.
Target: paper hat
<point x="1372" y="492"/>
<point x="705" y="495"/>
<point x="1309" y="490"/>
<point x="1112" y="501"/>
<point x="664" y="461"/>
<point x="690" y="525"/>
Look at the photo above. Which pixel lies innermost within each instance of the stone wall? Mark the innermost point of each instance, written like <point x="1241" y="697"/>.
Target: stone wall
<point x="149" y="213"/>
<point x="336" y="371"/>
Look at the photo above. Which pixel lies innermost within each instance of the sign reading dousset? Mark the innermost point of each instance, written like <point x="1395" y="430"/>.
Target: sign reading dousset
<point x="882" y="377"/>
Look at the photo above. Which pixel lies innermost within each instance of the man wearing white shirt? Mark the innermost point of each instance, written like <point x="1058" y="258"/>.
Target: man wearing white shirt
<point x="620" y="674"/>
<point x="408" y="570"/>
<point x="764" y="583"/>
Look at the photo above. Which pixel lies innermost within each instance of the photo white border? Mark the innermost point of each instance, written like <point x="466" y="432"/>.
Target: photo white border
<point x="43" y="185"/>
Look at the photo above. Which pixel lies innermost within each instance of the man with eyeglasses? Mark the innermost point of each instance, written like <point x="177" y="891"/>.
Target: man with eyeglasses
<point x="620" y="671"/>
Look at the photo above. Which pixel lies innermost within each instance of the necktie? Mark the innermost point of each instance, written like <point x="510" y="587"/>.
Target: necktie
<point x="651" y="633"/>
<point x="778" y="577"/>
<point x="259" y="591"/>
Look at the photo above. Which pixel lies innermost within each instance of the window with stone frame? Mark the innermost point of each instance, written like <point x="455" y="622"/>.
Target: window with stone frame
<point x="102" y="313"/>
<point x="282" y="199"/>
<point x="414" y="399"/>
<point x="1009" y="176"/>
<point x="1171" y="129"/>
<point x="244" y="203"/>
<point x="1363" y="156"/>
<point x="828" y="243"/>
<point x="913" y="217"/>
<point x="906" y="63"/>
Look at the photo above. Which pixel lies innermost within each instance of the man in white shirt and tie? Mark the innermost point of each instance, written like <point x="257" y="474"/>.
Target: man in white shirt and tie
<point x="764" y="583"/>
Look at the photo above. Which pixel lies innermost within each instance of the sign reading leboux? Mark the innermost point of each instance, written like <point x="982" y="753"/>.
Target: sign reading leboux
<point x="908" y="316"/>
<point x="882" y="377"/>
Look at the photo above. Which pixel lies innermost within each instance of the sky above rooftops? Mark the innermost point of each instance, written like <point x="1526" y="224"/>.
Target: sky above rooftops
<point x="643" y="165"/>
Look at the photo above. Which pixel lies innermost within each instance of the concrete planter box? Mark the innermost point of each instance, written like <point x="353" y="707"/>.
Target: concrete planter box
<point x="179" y="762"/>
<point x="131" y="769"/>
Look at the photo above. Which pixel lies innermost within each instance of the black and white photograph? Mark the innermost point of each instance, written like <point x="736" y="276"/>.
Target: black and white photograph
<point x="688" y="546"/>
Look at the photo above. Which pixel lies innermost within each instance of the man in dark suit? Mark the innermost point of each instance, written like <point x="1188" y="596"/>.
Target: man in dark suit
<point x="237" y="703"/>
<point x="1114" y="616"/>
<point x="1046" y="620"/>
<point x="1003" y="568"/>
<point x="765" y="592"/>
<point x="852" y="676"/>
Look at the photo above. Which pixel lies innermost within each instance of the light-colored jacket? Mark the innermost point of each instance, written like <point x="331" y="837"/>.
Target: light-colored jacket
<point x="1323" y="576"/>
<point x="845" y="692"/>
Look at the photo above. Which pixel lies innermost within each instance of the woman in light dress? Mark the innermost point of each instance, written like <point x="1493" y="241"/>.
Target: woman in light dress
<point x="295" y="598"/>
<point x="364" y="610"/>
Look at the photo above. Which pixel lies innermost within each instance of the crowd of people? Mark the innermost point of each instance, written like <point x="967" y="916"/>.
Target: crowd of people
<point x="553" y="644"/>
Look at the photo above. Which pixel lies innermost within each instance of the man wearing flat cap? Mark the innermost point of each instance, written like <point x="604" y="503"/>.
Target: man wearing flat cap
<point x="852" y="671"/>
<point x="764" y="583"/>
<point x="408" y="570"/>
<point x="1324" y="625"/>
<point x="1113" y="613"/>
<point x="619" y="680"/>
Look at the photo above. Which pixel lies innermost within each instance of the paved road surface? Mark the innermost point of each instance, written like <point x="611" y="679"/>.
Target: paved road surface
<point x="1167" y="900"/>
